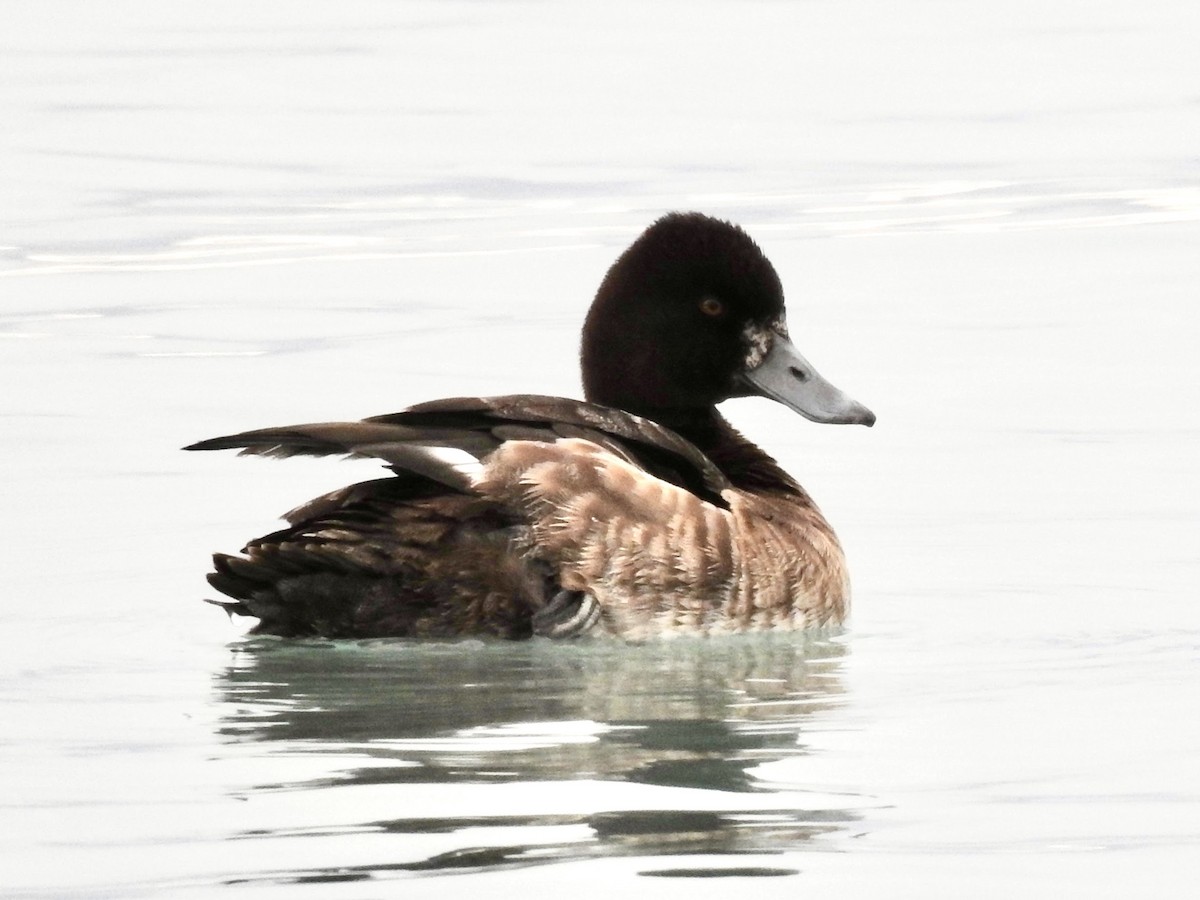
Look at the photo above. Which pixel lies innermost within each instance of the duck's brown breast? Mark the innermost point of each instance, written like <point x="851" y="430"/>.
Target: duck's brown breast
<point x="657" y="558"/>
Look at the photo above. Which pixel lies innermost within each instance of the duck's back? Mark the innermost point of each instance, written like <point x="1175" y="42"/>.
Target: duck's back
<point x="434" y="551"/>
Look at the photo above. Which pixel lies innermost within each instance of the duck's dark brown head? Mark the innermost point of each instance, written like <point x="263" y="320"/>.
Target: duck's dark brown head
<point x="692" y="314"/>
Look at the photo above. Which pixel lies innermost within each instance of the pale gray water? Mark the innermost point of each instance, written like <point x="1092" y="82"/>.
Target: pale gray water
<point x="219" y="216"/>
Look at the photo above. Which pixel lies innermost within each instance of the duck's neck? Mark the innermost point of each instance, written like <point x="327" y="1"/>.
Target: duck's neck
<point x="742" y="462"/>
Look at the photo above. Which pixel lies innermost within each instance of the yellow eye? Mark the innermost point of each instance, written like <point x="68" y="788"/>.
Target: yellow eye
<point x="711" y="306"/>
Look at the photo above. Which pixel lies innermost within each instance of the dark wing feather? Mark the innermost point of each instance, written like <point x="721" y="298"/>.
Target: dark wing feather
<point x="654" y="447"/>
<point x="341" y="438"/>
<point x="477" y="426"/>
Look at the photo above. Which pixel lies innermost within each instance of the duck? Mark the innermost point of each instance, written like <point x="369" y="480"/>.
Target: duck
<point x="637" y="513"/>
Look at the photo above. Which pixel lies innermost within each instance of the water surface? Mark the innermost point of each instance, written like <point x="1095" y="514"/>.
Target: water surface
<point x="223" y="217"/>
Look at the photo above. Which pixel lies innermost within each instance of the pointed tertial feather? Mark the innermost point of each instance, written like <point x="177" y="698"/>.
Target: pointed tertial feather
<point x="326" y="439"/>
<point x="365" y="439"/>
<point x="476" y="426"/>
<point x="449" y="456"/>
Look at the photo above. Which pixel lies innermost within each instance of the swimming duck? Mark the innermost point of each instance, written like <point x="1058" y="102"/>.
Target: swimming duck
<point x="638" y="513"/>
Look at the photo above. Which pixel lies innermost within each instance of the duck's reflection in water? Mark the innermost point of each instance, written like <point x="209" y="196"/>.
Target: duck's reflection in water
<point x="631" y="750"/>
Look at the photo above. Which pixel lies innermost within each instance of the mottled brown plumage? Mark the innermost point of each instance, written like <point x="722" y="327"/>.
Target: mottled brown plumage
<point x="660" y="560"/>
<point x="641" y="513"/>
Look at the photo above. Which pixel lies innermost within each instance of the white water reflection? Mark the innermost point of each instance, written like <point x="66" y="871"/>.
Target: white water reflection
<point x="496" y="755"/>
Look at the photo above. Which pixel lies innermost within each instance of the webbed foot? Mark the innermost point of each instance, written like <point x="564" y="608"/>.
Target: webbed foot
<point x="569" y="614"/>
